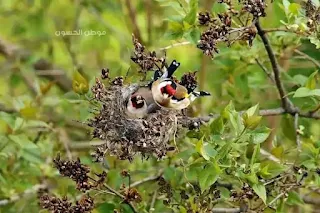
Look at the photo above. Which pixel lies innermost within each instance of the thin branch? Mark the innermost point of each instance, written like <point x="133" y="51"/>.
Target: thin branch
<point x="26" y="193"/>
<point x="279" y="196"/>
<point x="175" y="45"/>
<point x="296" y="127"/>
<point x="148" y="8"/>
<point x="305" y="56"/>
<point x="269" y="156"/>
<point x="265" y="70"/>
<point x="11" y="52"/>
<point x="270" y="30"/>
<point x="153" y="201"/>
<point x="151" y="178"/>
<point x="286" y="103"/>
<point x="226" y="210"/>
<point x="85" y="144"/>
<point x="132" y="15"/>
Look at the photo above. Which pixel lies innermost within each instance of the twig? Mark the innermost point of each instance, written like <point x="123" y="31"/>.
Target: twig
<point x="265" y="70"/>
<point x="11" y="51"/>
<point x="270" y="30"/>
<point x="286" y="103"/>
<point x="148" y="8"/>
<point x="64" y="138"/>
<point x="153" y="201"/>
<point x="296" y="127"/>
<point x="152" y="178"/>
<point x="305" y="56"/>
<point x="27" y="192"/>
<point x="85" y="144"/>
<point x="279" y="196"/>
<point x="176" y="45"/>
<point x="132" y="15"/>
<point x="269" y="156"/>
<point x="225" y="210"/>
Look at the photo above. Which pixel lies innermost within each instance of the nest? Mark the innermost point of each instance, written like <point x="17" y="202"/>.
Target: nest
<point x="125" y="137"/>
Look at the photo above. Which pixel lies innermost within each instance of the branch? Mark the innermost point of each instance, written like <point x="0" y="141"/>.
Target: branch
<point x="305" y="56"/>
<point x="270" y="30"/>
<point x="175" y="45"/>
<point x="132" y="15"/>
<point x="148" y="8"/>
<point x="286" y="103"/>
<point x="269" y="156"/>
<point x="27" y="192"/>
<point x="151" y="178"/>
<point x="13" y="52"/>
<point x="226" y="210"/>
<point x="265" y="70"/>
<point x="296" y="127"/>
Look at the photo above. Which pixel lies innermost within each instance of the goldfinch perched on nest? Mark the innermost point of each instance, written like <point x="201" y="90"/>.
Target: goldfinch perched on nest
<point x="171" y="95"/>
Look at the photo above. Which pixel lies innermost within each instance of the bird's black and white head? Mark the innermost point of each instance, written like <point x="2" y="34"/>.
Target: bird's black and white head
<point x="136" y="107"/>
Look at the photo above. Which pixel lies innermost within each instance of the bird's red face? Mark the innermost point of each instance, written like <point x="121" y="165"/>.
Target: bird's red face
<point x="168" y="89"/>
<point x="137" y="101"/>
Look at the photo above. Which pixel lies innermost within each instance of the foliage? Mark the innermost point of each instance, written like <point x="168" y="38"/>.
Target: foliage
<point x="257" y="59"/>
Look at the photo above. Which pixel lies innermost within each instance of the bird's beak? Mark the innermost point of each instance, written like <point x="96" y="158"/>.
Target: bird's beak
<point x="139" y="101"/>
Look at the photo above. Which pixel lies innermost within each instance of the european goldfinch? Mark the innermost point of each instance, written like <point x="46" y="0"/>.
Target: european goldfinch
<point x="169" y="94"/>
<point x="136" y="107"/>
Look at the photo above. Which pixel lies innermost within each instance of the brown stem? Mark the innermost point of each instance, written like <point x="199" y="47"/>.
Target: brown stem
<point x="132" y="15"/>
<point x="148" y="7"/>
<point x="286" y="103"/>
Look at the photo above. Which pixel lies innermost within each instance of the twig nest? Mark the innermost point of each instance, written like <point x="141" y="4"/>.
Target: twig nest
<point x="125" y="137"/>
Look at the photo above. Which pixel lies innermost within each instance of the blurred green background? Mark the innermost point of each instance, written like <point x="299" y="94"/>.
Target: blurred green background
<point x="41" y="115"/>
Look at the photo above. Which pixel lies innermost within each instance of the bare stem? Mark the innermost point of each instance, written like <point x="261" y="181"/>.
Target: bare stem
<point x="296" y="127"/>
<point x="305" y="56"/>
<point x="286" y="103"/>
<point x="265" y="70"/>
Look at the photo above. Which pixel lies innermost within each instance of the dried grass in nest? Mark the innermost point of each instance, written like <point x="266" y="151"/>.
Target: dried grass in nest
<point x="126" y="137"/>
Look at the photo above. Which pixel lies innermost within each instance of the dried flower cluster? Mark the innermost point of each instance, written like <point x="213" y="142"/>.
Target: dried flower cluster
<point x="313" y="15"/>
<point x="57" y="205"/>
<point x="78" y="172"/>
<point x="255" y="7"/>
<point x="126" y="137"/>
<point x="145" y="59"/>
<point x="189" y="80"/>
<point x="74" y="170"/>
<point x="217" y="31"/>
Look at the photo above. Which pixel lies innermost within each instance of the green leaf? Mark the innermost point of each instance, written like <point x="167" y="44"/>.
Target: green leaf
<point x="206" y="150"/>
<point x="193" y="35"/>
<point x="314" y="40"/>
<point x="311" y="82"/>
<point x="106" y="208"/>
<point x="260" y="190"/>
<point x="175" y="31"/>
<point x="260" y="135"/>
<point x="255" y="155"/>
<point x="209" y="175"/>
<point x="305" y="92"/>
<point x="252" y="111"/>
<point x="217" y="126"/>
<point x="294" y="8"/>
<point x="80" y="84"/>
<point x="192" y="14"/>
<point x="294" y="199"/>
